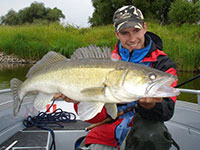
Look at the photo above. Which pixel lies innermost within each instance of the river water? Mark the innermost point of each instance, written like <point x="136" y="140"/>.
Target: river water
<point x="7" y="72"/>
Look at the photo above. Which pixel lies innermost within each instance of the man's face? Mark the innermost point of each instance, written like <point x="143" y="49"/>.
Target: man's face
<point x="132" y="38"/>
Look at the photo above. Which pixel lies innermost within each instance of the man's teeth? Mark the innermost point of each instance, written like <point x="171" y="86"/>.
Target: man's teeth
<point x="133" y="44"/>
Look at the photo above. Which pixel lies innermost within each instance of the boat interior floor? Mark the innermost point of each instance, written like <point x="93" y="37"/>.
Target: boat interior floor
<point x="34" y="138"/>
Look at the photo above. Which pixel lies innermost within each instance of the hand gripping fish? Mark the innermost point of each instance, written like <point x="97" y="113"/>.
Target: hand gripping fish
<point x="91" y="77"/>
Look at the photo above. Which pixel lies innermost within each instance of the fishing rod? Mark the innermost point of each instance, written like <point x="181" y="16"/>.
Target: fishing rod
<point x="187" y="81"/>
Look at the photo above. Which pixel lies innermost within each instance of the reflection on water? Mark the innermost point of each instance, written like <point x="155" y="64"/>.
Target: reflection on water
<point x="9" y="71"/>
<point x="4" y="84"/>
<point x="7" y="66"/>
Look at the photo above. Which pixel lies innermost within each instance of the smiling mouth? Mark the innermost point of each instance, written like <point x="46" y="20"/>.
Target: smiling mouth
<point x="133" y="44"/>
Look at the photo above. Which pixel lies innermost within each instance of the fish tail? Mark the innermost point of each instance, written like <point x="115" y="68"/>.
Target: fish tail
<point x="15" y="85"/>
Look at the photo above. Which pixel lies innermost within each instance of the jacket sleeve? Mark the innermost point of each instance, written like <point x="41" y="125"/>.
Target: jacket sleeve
<point x="161" y="111"/>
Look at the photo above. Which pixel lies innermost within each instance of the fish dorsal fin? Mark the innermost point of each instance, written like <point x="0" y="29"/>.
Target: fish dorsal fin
<point x="91" y="52"/>
<point x="48" y="59"/>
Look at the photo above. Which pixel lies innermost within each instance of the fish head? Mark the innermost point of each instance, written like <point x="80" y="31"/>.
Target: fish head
<point x="148" y="82"/>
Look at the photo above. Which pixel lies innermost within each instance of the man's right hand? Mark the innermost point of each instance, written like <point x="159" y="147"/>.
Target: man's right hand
<point x="60" y="95"/>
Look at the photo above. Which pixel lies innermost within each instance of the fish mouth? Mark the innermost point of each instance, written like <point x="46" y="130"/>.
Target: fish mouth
<point x="162" y="88"/>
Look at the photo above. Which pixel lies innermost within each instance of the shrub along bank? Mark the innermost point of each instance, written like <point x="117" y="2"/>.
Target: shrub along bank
<point x="181" y="43"/>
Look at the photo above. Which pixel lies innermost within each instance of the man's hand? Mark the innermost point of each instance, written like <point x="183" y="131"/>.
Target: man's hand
<point x="149" y="103"/>
<point x="59" y="95"/>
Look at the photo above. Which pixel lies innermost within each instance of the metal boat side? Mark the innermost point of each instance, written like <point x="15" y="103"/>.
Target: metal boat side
<point x="184" y="127"/>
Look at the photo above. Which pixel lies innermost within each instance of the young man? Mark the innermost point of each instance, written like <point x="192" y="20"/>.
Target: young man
<point x="135" y="45"/>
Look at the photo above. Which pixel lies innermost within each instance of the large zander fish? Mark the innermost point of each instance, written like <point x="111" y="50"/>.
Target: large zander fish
<point x="93" y="79"/>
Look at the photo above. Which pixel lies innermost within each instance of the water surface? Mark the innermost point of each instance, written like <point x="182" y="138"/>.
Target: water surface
<point x="9" y="71"/>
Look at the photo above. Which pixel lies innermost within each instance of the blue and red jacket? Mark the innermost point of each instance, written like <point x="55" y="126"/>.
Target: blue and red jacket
<point x="113" y="133"/>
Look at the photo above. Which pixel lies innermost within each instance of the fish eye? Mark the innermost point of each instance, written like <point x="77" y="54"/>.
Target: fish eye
<point x="152" y="76"/>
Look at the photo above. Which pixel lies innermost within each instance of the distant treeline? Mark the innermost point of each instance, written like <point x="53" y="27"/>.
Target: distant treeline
<point x="181" y="43"/>
<point x="164" y="11"/>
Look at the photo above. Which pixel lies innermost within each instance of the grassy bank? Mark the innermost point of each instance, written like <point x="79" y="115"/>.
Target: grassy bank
<point x="182" y="44"/>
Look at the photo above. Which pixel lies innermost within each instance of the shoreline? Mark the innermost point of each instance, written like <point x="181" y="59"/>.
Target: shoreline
<point x="12" y="59"/>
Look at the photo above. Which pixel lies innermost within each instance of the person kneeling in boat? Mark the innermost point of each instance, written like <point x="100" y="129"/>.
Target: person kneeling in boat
<point x="135" y="45"/>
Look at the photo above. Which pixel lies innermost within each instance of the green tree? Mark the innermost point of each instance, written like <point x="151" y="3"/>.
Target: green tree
<point x="104" y="10"/>
<point x="194" y="1"/>
<point x="183" y="11"/>
<point x="36" y="11"/>
<point x="54" y="14"/>
<point x="11" y="18"/>
<point x="154" y="9"/>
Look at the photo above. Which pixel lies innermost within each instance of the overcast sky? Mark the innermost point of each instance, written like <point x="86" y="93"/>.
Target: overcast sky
<point x="76" y="12"/>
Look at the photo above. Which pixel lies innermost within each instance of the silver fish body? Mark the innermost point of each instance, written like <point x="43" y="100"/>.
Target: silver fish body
<point x="93" y="81"/>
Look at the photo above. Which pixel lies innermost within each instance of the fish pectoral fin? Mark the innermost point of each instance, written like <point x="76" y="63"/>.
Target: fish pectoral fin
<point x="88" y="110"/>
<point x="111" y="110"/>
<point x="41" y="100"/>
<point x="93" y="91"/>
